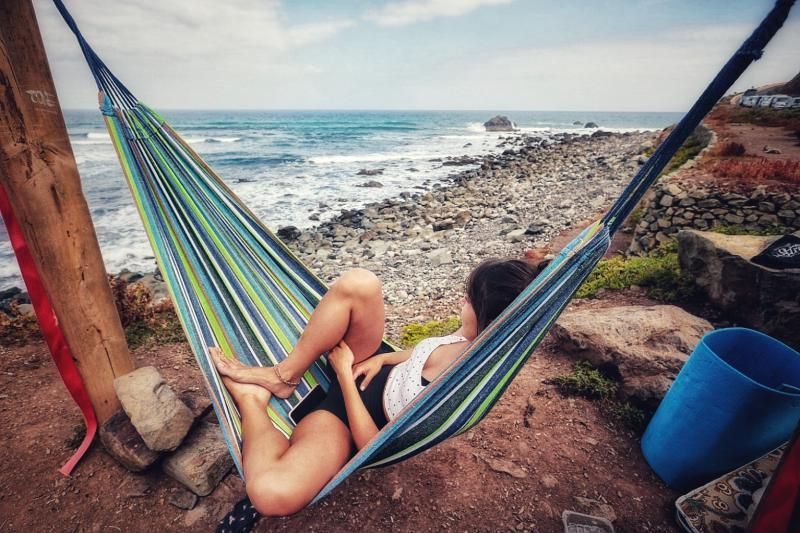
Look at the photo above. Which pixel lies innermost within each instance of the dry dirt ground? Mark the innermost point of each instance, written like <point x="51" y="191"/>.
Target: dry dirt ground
<point x="527" y="462"/>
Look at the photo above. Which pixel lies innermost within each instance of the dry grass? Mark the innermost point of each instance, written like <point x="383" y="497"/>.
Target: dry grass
<point x="756" y="170"/>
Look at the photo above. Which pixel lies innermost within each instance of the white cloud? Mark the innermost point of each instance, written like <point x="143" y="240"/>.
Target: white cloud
<point x="406" y="12"/>
<point x="658" y="72"/>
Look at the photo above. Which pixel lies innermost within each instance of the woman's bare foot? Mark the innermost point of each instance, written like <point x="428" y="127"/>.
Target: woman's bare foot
<point x="246" y="392"/>
<point x="264" y="377"/>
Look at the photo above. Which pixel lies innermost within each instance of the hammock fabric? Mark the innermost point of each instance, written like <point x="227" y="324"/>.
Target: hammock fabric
<point x="235" y="285"/>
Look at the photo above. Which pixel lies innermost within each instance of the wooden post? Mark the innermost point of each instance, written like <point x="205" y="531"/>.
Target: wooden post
<point x="40" y="176"/>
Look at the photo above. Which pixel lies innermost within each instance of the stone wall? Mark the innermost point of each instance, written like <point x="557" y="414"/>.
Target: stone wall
<point x="674" y="204"/>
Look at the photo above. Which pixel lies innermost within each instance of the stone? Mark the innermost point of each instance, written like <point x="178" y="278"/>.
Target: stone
<point x="666" y="200"/>
<point x="549" y="482"/>
<point x="499" y="123"/>
<point x="534" y="229"/>
<point x="122" y="442"/>
<point x="751" y="295"/>
<point x="645" y="346"/>
<point x="183" y="499"/>
<point x="591" y="125"/>
<point x="369" y="172"/>
<point x="289" y="233"/>
<point x="516" y="235"/>
<point x="733" y="219"/>
<point x="440" y="257"/>
<point x="201" y="462"/>
<point x="462" y="217"/>
<point x="198" y="402"/>
<point x="370" y="184"/>
<point x="158" y="415"/>
<point x="505" y="466"/>
<point x="443" y="225"/>
<point x="596" y="508"/>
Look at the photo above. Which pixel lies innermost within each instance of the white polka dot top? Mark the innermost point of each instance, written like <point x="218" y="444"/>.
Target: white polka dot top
<point x="405" y="380"/>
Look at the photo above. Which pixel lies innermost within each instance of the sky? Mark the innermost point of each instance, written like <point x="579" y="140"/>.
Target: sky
<point x="598" y="55"/>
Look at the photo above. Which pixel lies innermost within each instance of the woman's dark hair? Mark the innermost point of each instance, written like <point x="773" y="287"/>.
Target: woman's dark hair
<point x="495" y="283"/>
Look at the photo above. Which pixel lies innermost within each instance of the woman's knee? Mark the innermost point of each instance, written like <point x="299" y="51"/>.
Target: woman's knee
<point x="274" y="495"/>
<point x="358" y="282"/>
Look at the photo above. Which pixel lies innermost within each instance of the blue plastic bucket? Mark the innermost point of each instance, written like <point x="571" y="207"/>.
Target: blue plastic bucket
<point x="736" y="398"/>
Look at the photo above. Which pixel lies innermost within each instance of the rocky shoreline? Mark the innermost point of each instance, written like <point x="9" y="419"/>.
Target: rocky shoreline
<point x="422" y="245"/>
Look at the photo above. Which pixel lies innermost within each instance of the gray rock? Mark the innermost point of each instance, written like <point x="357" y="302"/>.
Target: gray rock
<point x="371" y="184"/>
<point x="158" y="415"/>
<point x="516" y="235"/>
<point x="369" y="172"/>
<point x="751" y="295"/>
<point x="591" y="125"/>
<point x="440" y="257"/>
<point x="289" y="233"/>
<point x="645" y="345"/>
<point x="499" y="123"/>
<point x="201" y="462"/>
<point x="183" y="499"/>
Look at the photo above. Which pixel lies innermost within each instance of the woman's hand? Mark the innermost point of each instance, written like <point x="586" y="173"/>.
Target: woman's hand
<point x="369" y="369"/>
<point x="341" y="359"/>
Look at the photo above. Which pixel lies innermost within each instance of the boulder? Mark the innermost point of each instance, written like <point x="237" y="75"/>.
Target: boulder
<point x="158" y="415"/>
<point x="289" y="233"/>
<point x="371" y="184"/>
<point x="369" y="172"/>
<point x="499" y="123"/>
<point x="749" y="294"/>
<point x="202" y="461"/>
<point x="440" y="257"/>
<point x="645" y="346"/>
<point x="591" y="125"/>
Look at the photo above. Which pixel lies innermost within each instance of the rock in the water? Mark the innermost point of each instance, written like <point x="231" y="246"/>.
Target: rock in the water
<point x="440" y="257"/>
<point x="153" y="408"/>
<point x="289" y="233"/>
<point x="371" y="184"/>
<point x="591" y="125"/>
<point x="369" y="172"/>
<point x="123" y="443"/>
<point x="499" y="123"/>
<point x="646" y="346"/>
<point x="752" y="295"/>
<point x="202" y="461"/>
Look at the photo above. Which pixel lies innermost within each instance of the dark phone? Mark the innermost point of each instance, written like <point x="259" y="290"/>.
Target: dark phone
<point x="312" y="399"/>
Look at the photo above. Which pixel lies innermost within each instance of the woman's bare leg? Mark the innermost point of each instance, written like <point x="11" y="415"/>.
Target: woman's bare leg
<point x="282" y="476"/>
<point x="352" y="310"/>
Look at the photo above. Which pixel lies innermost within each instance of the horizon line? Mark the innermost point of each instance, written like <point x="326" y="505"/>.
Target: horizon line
<point x="335" y="109"/>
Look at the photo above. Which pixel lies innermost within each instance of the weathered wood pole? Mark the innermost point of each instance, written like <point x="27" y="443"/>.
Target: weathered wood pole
<point x="40" y="176"/>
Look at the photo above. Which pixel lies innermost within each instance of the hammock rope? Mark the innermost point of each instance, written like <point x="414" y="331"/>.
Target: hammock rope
<point x="234" y="284"/>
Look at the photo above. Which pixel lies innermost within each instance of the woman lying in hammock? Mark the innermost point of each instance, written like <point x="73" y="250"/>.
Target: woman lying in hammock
<point x="282" y="475"/>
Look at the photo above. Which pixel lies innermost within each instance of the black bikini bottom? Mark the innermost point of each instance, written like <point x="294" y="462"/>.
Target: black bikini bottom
<point x="372" y="398"/>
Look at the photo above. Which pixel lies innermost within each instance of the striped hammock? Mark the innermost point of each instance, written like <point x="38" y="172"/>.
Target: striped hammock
<point x="236" y="286"/>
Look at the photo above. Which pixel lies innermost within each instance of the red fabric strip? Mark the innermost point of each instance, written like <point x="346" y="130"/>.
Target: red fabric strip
<point x="51" y="331"/>
<point x="779" y="509"/>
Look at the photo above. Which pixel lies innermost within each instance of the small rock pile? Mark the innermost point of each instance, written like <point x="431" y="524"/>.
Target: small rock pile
<point x="156" y="424"/>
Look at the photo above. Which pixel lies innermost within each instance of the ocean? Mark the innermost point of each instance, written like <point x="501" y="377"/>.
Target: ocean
<point x="290" y="165"/>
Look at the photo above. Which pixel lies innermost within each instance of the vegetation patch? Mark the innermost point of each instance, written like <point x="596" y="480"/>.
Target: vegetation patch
<point x="17" y="328"/>
<point x="765" y="116"/>
<point x="692" y="146"/>
<point x="413" y="333"/>
<point x="756" y="169"/>
<point x="730" y="149"/>
<point x="736" y="229"/>
<point x="658" y="271"/>
<point x="143" y="320"/>
<point x="588" y="382"/>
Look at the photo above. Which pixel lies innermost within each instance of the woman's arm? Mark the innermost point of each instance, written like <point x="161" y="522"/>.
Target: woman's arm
<point x="362" y="427"/>
<point x="370" y="367"/>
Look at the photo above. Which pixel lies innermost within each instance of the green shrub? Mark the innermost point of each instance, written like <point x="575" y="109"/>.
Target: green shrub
<point x="627" y="414"/>
<point x="413" y="333"/>
<point x="658" y="271"/>
<point x="586" y="381"/>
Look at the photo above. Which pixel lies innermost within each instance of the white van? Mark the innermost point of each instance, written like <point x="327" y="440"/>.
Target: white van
<point x="796" y="101"/>
<point x="780" y="101"/>
<point x="765" y="101"/>
<point x="749" y="101"/>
